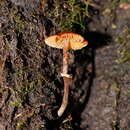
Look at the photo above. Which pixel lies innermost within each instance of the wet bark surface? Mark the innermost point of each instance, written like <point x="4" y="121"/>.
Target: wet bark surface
<point x="31" y="88"/>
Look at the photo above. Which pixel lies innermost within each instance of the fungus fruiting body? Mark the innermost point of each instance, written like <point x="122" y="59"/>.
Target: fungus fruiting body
<point x="66" y="41"/>
<point x="74" y="41"/>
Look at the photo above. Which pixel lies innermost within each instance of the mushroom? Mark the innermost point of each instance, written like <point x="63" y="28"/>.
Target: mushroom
<point x="66" y="41"/>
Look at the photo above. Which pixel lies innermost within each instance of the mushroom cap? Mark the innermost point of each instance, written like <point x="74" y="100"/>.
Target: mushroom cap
<point x="76" y="41"/>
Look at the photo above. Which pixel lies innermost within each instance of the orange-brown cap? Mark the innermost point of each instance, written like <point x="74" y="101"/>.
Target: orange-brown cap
<point x="76" y="41"/>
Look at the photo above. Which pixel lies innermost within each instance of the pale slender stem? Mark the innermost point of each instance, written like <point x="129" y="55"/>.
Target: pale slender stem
<point x="66" y="80"/>
<point x="65" y="97"/>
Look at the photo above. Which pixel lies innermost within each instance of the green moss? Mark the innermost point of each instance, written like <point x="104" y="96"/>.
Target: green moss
<point x="124" y="50"/>
<point x="20" y="125"/>
<point x="24" y="90"/>
<point x="24" y="86"/>
<point x="113" y="4"/>
<point x="117" y="90"/>
<point x="125" y="56"/>
<point x="66" y="15"/>
<point x="19" y="23"/>
<point x="16" y="104"/>
<point x="28" y="87"/>
<point x="124" y="1"/>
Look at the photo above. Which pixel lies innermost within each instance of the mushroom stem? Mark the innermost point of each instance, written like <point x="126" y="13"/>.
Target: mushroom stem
<point x="65" y="97"/>
<point x="65" y="58"/>
<point x="66" y="79"/>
